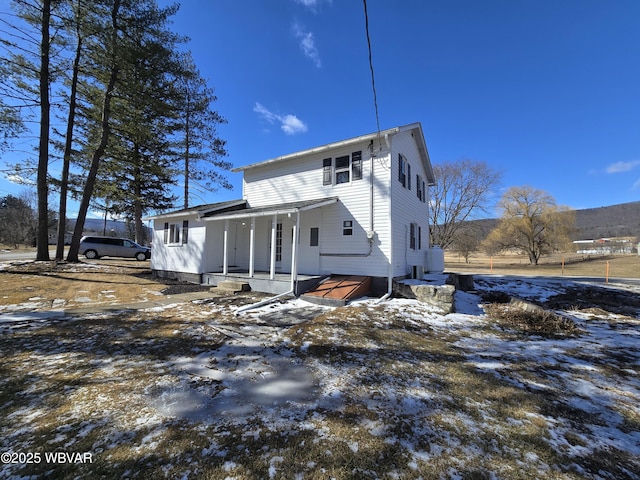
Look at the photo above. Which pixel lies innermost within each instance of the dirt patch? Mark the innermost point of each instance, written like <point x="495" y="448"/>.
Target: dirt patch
<point x="594" y="297"/>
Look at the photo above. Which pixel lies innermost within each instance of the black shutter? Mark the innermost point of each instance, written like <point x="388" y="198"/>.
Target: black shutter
<point x="185" y="231"/>
<point x="356" y="166"/>
<point x="166" y="232"/>
<point x="326" y="171"/>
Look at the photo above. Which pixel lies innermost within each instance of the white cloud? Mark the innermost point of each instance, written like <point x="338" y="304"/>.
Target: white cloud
<point x="307" y="44"/>
<point x="312" y="4"/>
<point x="290" y="124"/>
<point x="264" y="113"/>
<point x="619" y="167"/>
<point x="19" y="179"/>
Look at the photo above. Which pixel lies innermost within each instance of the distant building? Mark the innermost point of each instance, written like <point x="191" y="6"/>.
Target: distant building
<point x="604" y="246"/>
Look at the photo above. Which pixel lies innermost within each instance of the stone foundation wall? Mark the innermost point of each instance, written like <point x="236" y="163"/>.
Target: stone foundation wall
<point x="180" y="276"/>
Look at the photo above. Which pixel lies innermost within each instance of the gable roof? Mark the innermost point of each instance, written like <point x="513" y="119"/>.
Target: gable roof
<point x="202" y="210"/>
<point x="415" y="128"/>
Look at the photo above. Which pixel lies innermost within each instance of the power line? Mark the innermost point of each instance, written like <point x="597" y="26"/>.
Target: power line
<point x="373" y="81"/>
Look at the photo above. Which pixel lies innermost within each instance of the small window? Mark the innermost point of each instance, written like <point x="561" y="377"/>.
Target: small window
<point x="347" y="227"/>
<point x="314" y="237"/>
<point x="326" y="171"/>
<point x="342" y="169"/>
<point x="176" y="233"/>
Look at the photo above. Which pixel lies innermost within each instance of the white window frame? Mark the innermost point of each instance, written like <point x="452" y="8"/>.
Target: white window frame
<point x="348" y="173"/>
<point x="176" y="233"/>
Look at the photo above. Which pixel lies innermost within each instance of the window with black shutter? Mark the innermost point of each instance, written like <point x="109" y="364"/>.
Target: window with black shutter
<point x="342" y="169"/>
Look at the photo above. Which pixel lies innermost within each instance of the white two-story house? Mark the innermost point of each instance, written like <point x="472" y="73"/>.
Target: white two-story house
<point x="354" y="207"/>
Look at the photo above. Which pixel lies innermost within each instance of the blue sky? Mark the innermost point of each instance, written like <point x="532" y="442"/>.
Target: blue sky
<point x="546" y="91"/>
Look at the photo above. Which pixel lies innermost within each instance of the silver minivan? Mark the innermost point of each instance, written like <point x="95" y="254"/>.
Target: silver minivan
<point x="96" y="247"/>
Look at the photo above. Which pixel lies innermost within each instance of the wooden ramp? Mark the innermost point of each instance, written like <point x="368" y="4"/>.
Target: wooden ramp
<point x="339" y="289"/>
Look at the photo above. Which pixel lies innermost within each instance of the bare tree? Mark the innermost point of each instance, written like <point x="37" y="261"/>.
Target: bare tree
<point x="467" y="241"/>
<point x="464" y="189"/>
<point x="531" y="223"/>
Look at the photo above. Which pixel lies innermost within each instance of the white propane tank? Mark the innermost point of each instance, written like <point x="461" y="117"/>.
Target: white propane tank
<point x="436" y="259"/>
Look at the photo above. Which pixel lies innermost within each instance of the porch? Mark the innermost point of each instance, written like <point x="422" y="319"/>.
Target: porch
<point x="277" y="283"/>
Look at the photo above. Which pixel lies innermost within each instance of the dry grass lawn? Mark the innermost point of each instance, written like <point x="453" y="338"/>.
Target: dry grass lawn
<point x="396" y="390"/>
<point x="64" y="285"/>
<point x="620" y="266"/>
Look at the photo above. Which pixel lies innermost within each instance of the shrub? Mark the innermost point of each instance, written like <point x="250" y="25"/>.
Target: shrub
<point x="531" y="321"/>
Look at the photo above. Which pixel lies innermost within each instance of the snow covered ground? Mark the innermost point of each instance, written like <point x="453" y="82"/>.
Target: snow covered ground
<point x="294" y="390"/>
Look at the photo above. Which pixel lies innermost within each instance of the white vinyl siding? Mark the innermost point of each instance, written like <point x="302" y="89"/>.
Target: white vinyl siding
<point x="323" y="246"/>
<point x="408" y="212"/>
<point x="188" y="235"/>
<point x="336" y="173"/>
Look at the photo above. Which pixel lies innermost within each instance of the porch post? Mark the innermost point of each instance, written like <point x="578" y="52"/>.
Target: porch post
<point x="272" y="267"/>
<point x="252" y="246"/>
<point x="294" y="253"/>
<point x="225" y="248"/>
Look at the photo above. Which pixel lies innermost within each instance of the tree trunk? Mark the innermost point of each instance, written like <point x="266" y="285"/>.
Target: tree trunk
<point x="43" y="149"/>
<point x="186" y="162"/>
<point x="99" y="152"/>
<point x="64" y="181"/>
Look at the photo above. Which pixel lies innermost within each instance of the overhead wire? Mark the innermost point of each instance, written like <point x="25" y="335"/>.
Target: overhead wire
<point x="373" y="81"/>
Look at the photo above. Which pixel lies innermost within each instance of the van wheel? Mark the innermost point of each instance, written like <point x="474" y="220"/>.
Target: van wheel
<point x="91" y="254"/>
<point x="140" y="256"/>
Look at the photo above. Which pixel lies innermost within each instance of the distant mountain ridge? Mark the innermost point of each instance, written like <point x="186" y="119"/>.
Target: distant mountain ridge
<point x="621" y="220"/>
<point x="97" y="226"/>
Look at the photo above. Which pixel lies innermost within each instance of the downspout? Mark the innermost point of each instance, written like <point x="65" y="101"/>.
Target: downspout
<point x="371" y="176"/>
<point x="263" y="302"/>
<point x="390" y="276"/>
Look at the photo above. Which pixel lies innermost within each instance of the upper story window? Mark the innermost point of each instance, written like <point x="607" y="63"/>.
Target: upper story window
<point x="404" y="171"/>
<point x="343" y="169"/>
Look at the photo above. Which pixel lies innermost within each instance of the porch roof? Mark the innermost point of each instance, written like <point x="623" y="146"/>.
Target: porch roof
<point x="203" y="210"/>
<point x="279" y="209"/>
